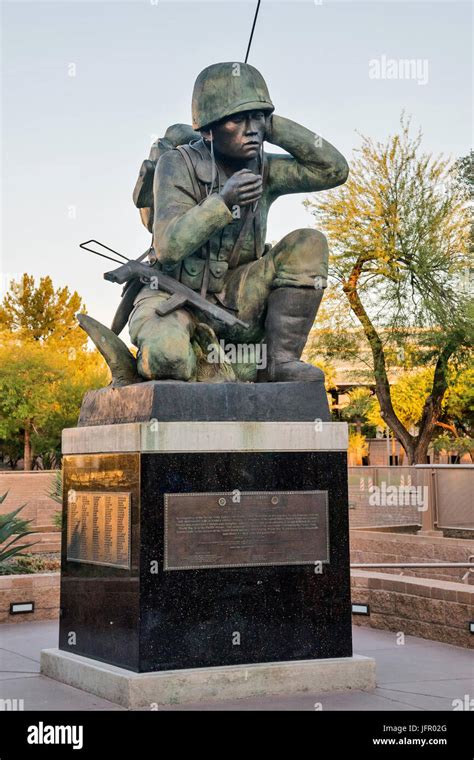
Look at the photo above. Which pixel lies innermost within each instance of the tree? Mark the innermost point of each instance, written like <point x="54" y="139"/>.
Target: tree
<point x="361" y="401"/>
<point x="84" y="370"/>
<point x="358" y="447"/>
<point x="40" y="393"/>
<point x="408" y="397"/>
<point x="45" y="369"/>
<point x="458" y="406"/>
<point x="29" y="379"/>
<point x="43" y="313"/>
<point x="399" y="232"/>
<point x="335" y="335"/>
<point x="409" y="394"/>
<point x="458" y="446"/>
<point x="11" y="451"/>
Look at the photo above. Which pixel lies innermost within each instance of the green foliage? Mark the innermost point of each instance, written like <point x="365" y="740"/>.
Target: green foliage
<point x="459" y="400"/>
<point x="56" y="493"/>
<point x="11" y="450"/>
<point x="42" y="313"/>
<point x="30" y="563"/>
<point x="464" y="445"/>
<point x="358" y="446"/>
<point x="58" y="519"/>
<point x="399" y="233"/>
<point x="42" y="391"/>
<point x="459" y="446"/>
<point x="12" y="530"/>
<point x="45" y="369"/>
<point x="409" y="394"/>
<point x="403" y="217"/>
<point x="29" y="380"/>
<point x="361" y="402"/>
<point x="56" y="489"/>
<point x="336" y="334"/>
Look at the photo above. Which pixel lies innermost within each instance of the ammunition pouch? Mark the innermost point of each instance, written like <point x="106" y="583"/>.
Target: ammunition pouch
<point x="190" y="272"/>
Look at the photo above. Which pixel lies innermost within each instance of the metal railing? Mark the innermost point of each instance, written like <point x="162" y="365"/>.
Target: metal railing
<point x="429" y="497"/>
<point x="416" y="565"/>
<point x="451" y="489"/>
<point x="360" y="565"/>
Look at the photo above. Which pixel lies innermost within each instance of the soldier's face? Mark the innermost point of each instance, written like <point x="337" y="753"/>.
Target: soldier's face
<point x="240" y="136"/>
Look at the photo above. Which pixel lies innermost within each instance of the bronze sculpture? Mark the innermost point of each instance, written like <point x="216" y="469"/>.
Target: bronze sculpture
<point x="205" y="193"/>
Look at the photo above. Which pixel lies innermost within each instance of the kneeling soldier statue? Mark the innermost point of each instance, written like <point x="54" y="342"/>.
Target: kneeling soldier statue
<point x="204" y="194"/>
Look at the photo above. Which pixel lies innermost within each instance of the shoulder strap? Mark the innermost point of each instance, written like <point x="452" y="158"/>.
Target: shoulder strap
<point x="200" y="195"/>
<point x="234" y="257"/>
<point x="199" y="191"/>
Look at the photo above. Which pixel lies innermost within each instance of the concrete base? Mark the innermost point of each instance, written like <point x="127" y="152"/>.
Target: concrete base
<point x="134" y="690"/>
<point x="169" y="401"/>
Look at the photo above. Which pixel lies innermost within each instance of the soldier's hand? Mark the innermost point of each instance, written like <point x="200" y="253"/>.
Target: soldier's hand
<point x="242" y="189"/>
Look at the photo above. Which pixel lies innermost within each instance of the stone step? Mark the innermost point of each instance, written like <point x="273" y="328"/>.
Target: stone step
<point x="45" y="542"/>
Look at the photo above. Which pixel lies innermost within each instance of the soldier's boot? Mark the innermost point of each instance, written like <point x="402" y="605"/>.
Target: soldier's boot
<point x="290" y="316"/>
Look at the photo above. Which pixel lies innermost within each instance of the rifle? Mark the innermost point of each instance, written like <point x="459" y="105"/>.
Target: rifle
<point x="180" y="295"/>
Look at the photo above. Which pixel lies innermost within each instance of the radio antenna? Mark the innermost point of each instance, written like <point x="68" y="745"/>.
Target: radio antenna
<point x="251" y="33"/>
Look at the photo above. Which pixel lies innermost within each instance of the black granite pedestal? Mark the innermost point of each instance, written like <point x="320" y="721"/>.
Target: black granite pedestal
<point x="156" y="606"/>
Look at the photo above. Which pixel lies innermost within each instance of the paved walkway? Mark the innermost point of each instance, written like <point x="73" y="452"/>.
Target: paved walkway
<point x="419" y="675"/>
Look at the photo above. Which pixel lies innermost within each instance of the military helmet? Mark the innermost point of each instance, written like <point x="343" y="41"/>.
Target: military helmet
<point x="226" y="88"/>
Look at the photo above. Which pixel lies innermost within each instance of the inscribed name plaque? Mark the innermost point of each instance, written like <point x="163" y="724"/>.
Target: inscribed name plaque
<point x="245" y="528"/>
<point x="98" y="528"/>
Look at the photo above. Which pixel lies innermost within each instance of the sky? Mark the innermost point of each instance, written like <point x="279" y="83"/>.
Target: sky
<point x="87" y="86"/>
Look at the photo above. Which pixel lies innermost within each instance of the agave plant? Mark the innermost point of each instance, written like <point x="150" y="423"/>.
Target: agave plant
<point x="55" y="492"/>
<point x="14" y="528"/>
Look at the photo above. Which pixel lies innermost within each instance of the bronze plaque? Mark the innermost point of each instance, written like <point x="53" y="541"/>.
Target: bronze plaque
<point x="245" y="528"/>
<point x="98" y="527"/>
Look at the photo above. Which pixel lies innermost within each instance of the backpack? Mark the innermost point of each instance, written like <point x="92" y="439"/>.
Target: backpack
<point x="177" y="134"/>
